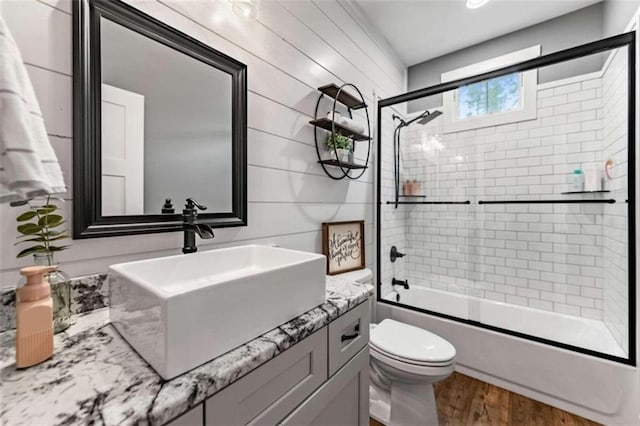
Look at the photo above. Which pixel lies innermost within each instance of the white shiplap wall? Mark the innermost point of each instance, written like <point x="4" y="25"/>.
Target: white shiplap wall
<point x="294" y="47"/>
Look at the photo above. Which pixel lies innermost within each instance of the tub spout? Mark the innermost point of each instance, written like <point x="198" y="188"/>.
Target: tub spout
<point x="405" y="283"/>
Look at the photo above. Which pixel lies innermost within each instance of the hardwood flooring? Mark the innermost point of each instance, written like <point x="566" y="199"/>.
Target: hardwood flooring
<point x="463" y="400"/>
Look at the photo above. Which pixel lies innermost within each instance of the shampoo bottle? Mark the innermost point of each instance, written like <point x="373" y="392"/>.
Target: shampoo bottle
<point x="34" y="318"/>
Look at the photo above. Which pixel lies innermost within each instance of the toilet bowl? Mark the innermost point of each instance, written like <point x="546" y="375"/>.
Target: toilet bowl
<point x="405" y="361"/>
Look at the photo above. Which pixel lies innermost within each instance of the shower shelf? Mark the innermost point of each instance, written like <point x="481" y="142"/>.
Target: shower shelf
<point x="412" y="196"/>
<point x="429" y="202"/>
<point x="329" y="125"/>
<point x="584" y="192"/>
<point x="603" y="201"/>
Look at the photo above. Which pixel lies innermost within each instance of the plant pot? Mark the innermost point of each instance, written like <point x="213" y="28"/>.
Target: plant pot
<point x="60" y="292"/>
<point x="343" y="155"/>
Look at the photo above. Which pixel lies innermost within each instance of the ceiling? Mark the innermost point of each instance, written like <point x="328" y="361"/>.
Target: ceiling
<point x="419" y="30"/>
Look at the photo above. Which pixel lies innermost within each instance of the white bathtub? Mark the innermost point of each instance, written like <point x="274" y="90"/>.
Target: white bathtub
<point x="599" y="389"/>
<point x="576" y="331"/>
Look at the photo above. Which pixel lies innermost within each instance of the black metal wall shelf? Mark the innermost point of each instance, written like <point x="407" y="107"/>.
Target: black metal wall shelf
<point x="337" y="163"/>
<point x="412" y="196"/>
<point x="329" y="125"/>
<point x="345" y="98"/>
<point x="338" y="94"/>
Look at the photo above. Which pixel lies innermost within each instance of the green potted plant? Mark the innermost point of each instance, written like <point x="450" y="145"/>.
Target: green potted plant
<point x="39" y="227"/>
<point x="340" y="147"/>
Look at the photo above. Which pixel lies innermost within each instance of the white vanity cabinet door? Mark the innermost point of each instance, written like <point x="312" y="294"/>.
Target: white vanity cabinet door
<point x="193" y="417"/>
<point x="342" y="401"/>
<point x="266" y="395"/>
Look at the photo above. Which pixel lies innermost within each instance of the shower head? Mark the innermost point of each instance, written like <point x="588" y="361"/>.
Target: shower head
<point x="422" y="119"/>
<point x="429" y="117"/>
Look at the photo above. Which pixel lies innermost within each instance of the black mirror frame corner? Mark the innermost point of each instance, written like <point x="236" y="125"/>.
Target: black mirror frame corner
<point x="87" y="219"/>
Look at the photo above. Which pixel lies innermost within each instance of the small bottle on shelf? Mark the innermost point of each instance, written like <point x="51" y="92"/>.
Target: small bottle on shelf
<point x="406" y="187"/>
<point x="415" y="187"/>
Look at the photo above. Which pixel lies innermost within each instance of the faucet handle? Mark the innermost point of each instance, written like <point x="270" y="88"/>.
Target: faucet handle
<point x="193" y="204"/>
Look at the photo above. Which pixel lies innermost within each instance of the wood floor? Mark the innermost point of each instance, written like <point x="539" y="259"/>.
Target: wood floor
<point x="463" y="400"/>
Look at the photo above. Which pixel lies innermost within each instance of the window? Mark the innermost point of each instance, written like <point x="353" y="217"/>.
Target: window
<point x="505" y="99"/>
<point x="500" y="94"/>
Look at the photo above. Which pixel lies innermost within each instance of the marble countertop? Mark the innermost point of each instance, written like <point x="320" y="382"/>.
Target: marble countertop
<point x="96" y="377"/>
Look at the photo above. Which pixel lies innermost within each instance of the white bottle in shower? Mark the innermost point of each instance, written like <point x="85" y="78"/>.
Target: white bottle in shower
<point x="592" y="178"/>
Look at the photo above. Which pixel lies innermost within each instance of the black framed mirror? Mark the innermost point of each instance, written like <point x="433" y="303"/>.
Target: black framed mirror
<point x="157" y="115"/>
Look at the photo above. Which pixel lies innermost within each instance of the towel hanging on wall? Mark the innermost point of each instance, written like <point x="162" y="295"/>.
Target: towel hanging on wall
<point x="28" y="164"/>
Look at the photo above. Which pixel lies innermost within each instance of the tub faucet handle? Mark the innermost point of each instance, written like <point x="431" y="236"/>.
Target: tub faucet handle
<point x="395" y="254"/>
<point x="405" y="283"/>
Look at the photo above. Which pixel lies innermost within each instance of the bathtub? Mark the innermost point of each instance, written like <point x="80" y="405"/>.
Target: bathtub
<point x="599" y="389"/>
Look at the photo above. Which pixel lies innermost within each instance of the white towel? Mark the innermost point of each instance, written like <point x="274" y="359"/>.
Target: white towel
<point x="28" y="165"/>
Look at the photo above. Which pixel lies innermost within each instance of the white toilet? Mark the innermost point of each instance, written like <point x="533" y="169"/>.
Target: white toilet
<point x="405" y="362"/>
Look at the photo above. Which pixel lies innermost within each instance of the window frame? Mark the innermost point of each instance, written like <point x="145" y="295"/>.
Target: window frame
<point x="528" y="93"/>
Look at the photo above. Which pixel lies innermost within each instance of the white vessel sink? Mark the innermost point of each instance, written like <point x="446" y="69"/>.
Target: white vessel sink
<point x="179" y="312"/>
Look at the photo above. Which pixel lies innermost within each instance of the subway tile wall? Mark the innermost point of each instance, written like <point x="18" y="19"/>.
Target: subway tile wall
<point x="544" y="256"/>
<point x="615" y="226"/>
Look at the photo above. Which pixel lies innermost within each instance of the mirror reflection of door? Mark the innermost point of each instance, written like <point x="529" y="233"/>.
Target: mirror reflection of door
<point x="122" y="152"/>
<point x="184" y="122"/>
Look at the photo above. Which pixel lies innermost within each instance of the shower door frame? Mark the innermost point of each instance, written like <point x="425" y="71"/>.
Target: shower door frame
<point x="627" y="40"/>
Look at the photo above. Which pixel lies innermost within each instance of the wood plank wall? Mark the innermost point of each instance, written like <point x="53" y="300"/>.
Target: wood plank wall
<point x="290" y="50"/>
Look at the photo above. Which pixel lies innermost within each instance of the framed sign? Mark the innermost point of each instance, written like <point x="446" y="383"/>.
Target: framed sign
<point x="343" y="244"/>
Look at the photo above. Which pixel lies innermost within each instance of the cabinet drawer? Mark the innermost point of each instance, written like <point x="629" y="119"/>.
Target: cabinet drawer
<point x="347" y="335"/>
<point x="267" y="394"/>
<point x="342" y="401"/>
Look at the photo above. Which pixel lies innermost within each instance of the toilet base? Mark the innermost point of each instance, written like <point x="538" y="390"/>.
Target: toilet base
<point x="379" y="405"/>
<point x="404" y="405"/>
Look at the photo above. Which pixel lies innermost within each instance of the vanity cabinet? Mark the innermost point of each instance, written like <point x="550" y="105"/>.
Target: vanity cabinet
<point x="269" y="393"/>
<point x="195" y="416"/>
<point x="342" y="401"/>
<point x="322" y="380"/>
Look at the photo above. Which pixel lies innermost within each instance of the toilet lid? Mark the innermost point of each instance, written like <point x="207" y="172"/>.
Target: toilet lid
<point x="405" y="341"/>
<point x="360" y="276"/>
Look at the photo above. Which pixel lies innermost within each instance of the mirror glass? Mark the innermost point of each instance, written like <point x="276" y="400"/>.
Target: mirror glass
<point x="166" y="127"/>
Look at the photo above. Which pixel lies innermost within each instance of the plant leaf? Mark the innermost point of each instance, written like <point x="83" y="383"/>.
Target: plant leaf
<point x="50" y="220"/>
<point x="58" y="248"/>
<point x="29" y="228"/>
<point x="59" y="237"/>
<point x="41" y="239"/>
<point x="37" y="240"/>
<point x="54" y="225"/>
<point x="53" y="233"/>
<point x="26" y="216"/>
<point x="32" y="250"/>
<point x="47" y="209"/>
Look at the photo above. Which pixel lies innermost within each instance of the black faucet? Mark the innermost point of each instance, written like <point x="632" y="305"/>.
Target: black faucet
<point x="191" y="226"/>
<point x="405" y="283"/>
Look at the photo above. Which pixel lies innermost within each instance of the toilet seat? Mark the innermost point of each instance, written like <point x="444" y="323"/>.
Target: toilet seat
<point x="373" y="348"/>
<point x="403" y="367"/>
<point x="410" y="345"/>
